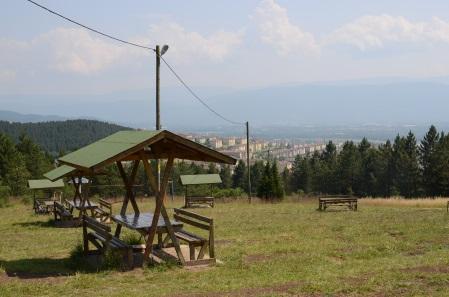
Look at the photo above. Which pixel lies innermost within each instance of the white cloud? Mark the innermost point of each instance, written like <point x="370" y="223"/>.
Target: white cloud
<point x="61" y="49"/>
<point x="75" y="50"/>
<point x="277" y="30"/>
<point x="378" y="31"/>
<point x="185" y="45"/>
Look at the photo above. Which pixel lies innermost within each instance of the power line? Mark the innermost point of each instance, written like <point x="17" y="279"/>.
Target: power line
<point x="189" y="89"/>
<point x="198" y="97"/>
<point x="89" y="28"/>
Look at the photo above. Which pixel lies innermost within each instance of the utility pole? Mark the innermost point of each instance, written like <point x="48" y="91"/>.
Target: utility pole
<point x="158" y="111"/>
<point x="247" y="162"/>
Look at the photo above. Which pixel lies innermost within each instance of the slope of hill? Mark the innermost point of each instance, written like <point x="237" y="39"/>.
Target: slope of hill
<point x="61" y="136"/>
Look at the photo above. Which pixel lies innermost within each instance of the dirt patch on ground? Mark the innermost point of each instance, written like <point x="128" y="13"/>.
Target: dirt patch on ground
<point x="281" y="289"/>
<point x="427" y="269"/>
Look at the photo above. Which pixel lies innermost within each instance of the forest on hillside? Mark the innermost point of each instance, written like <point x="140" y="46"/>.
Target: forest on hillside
<point x="60" y="136"/>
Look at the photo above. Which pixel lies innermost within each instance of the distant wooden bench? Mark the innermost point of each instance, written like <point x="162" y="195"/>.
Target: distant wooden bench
<point x="61" y="212"/>
<point x="104" y="211"/>
<point x="193" y="240"/>
<point x="100" y="236"/>
<point x="42" y="205"/>
<point x="191" y="201"/>
<point x="325" y="202"/>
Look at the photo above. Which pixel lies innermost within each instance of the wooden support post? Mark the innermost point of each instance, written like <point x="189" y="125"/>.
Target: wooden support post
<point x="160" y="208"/>
<point x="128" y="182"/>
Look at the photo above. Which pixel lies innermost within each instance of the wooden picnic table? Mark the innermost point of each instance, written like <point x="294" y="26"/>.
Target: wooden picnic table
<point x="82" y="206"/>
<point x="141" y="222"/>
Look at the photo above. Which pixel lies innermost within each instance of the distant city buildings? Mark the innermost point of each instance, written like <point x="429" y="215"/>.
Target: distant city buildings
<point x="283" y="150"/>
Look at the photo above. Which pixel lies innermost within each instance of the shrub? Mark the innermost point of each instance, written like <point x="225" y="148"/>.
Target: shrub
<point x="27" y="199"/>
<point x="228" y="193"/>
<point x="4" y="196"/>
<point x="132" y="239"/>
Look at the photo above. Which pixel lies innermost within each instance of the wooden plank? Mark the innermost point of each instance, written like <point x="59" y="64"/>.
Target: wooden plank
<point x="193" y="215"/>
<point x="191" y="222"/>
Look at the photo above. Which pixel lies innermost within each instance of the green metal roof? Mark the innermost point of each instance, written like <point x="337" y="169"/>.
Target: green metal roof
<point x="59" y="172"/>
<point x="107" y="148"/>
<point x="200" y="179"/>
<point x="40" y="184"/>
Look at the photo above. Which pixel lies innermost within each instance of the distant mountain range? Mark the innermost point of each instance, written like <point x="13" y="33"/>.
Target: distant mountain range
<point x="11" y="116"/>
<point x="342" y="103"/>
<point x="305" y="110"/>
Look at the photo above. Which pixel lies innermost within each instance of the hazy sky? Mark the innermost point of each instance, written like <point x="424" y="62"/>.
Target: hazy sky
<point x="225" y="44"/>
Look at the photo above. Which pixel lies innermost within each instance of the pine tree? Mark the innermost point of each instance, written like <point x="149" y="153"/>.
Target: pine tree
<point x="276" y="186"/>
<point x="37" y="163"/>
<point x="212" y="169"/>
<point x="349" y="166"/>
<point x="239" y="176"/>
<point x="265" y="188"/>
<point x="428" y="158"/>
<point x="256" y="174"/>
<point x="226" y="177"/>
<point x="329" y="164"/>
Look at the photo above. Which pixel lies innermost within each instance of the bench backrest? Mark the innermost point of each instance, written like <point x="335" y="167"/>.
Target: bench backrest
<point x="100" y="228"/>
<point x="199" y="221"/>
<point x="105" y="205"/>
<point x="193" y="219"/>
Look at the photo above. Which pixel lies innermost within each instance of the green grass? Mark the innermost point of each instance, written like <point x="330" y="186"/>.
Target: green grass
<point x="285" y="249"/>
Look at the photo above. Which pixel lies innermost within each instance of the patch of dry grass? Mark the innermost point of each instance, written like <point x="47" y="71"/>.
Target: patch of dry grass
<point x="399" y="201"/>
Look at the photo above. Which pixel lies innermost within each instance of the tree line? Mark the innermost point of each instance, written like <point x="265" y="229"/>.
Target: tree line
<point x="59" y="137"/>
<point x="403" y="167"/>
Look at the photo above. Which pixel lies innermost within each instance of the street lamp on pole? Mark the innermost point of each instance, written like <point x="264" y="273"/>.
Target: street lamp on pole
<point x="159" y="54"/>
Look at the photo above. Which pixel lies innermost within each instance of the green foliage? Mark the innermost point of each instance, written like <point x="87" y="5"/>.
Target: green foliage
<point x="226" y="177"/>
<point x="228" y="193"/>
<point x="239" y="177"/>
<point x="4" y="196"/>
<point x="402" y="168"/>
<point x="133" y="239"/>
<point x="270" y="185"/>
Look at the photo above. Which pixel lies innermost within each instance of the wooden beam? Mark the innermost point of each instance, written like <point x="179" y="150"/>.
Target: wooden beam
<point x="128" y="182"/>
<point x="159" y="202"/>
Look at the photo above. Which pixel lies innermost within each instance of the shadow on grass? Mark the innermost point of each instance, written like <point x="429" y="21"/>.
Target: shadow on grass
<point x="49" y="223"/>
<point x="37" y="268"/>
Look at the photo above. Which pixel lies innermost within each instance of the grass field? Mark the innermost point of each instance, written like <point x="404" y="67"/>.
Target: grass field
<point x="389" y="248"/>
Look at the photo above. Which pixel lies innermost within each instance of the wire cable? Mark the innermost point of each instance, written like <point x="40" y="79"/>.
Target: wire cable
<point x="189" y="89"/>
<point x="89" y="28"/>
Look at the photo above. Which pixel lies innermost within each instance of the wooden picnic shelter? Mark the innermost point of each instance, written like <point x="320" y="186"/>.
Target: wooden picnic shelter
<point x="45" y="204"/>
<point x="197" y="180"/>
<point x="130" y="148"/>
<point x="80" y="200"/>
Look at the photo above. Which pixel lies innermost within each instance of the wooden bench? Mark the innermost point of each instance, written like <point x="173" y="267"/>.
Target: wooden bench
<point x="104" y="211"/>
<point x="100" y="236"/>
<point x="325" y="202"/>
<point x="42" y="206"/>
<point x="193" y="240"/>
<point x="61" y="212"/>
<point x="191" y="201"/>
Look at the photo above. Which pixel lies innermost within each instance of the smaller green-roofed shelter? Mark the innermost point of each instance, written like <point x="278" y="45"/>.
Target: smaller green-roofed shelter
<point x="44" y="184"/>
<point x="189" y="181"/>
<point x="43" y="205"/>
<point x="132" y="148"/>
<point x="200" y="179"/>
